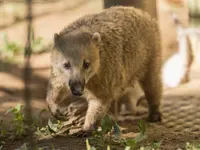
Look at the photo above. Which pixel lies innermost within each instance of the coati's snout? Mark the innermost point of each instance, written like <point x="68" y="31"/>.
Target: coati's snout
<point x="77" y="87"/>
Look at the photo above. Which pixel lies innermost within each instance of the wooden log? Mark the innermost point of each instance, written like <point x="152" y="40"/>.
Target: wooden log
<point x="135" y="3"/>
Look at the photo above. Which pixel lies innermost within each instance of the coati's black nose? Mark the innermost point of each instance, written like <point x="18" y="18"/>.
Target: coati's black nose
<point x="77" y="92"/>
<point x="76" y="88"/>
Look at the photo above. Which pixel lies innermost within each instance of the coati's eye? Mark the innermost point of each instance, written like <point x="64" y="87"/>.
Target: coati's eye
<point x="67" y="65"/>
<point x="86" y="65"/>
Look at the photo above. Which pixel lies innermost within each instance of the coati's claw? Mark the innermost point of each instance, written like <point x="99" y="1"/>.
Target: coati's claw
<point x="56" y="113"/>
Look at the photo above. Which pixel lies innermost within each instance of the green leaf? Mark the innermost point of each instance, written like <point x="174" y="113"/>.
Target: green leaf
<point x="142" y="127"/>
<point x="108" y="147"/>
<point x="127" y="148"/>
<point x="18" y="107"/>
<point x="156" y="145"/>
<point x="117" y="130"/>
<point x="9" y="110"/>
<point x="87" y="145"/>
<point x="10" y="48"/>
<point x="15" y="109"/>
<point x="92" y="148"/>
<point x="51" y="126"/>
<point x="131" y="143"/>
<point x="106" y="124"/>
<point x="43" y="129"/>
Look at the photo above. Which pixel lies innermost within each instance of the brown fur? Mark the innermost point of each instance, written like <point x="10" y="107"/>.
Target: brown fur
<point x="130" y="97"/>
<point x="127" y="50"/>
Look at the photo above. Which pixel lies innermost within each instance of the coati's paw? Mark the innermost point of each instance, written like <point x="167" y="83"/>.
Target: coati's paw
<point x="86" y="131"/>
<point x="155" y="117"/>
<point x="89" y="128"/>
<point x="56" y="112"/>
<point x="82" y="134"/>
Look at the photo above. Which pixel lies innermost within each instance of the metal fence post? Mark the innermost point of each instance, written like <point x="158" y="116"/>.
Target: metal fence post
<point x="27" y="72"/>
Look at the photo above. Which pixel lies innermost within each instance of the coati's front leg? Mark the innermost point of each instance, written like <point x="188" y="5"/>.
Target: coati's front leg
<point x="96" y="111"/>
<point x="55" y="95"/>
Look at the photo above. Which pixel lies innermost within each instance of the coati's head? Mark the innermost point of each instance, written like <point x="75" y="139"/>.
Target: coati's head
<point x="76" y="57"/>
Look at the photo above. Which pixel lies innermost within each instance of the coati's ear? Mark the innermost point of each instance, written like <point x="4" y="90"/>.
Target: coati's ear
<point x="56" y="38"/>
<point x="96" y="37"/>
<point x="57" y="41"/>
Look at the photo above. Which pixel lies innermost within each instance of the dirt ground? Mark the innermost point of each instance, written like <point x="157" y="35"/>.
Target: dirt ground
<point x="181" y="115"/>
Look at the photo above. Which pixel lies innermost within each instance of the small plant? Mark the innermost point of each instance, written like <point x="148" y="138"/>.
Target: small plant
<point x="156" y="145"/>
<point x="51" y="128"/>
<point x="54" y="127"/>
<point x="10" y="48"/>
<point x="19" y="124"/>
<point x="18" y="120"/>
<point x="131" y="143"/>
<point x="101" y="139"/>
<point x="105" y="136"/>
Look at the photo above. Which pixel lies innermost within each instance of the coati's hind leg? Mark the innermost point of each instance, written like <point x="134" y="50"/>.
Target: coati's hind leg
<point x="152" y="86"/>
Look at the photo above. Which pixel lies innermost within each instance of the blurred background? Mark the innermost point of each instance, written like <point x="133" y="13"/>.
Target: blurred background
<point x="179" y="21"/>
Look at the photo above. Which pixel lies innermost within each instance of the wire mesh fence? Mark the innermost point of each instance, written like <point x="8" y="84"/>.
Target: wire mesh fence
<point x="27" y="73"/>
